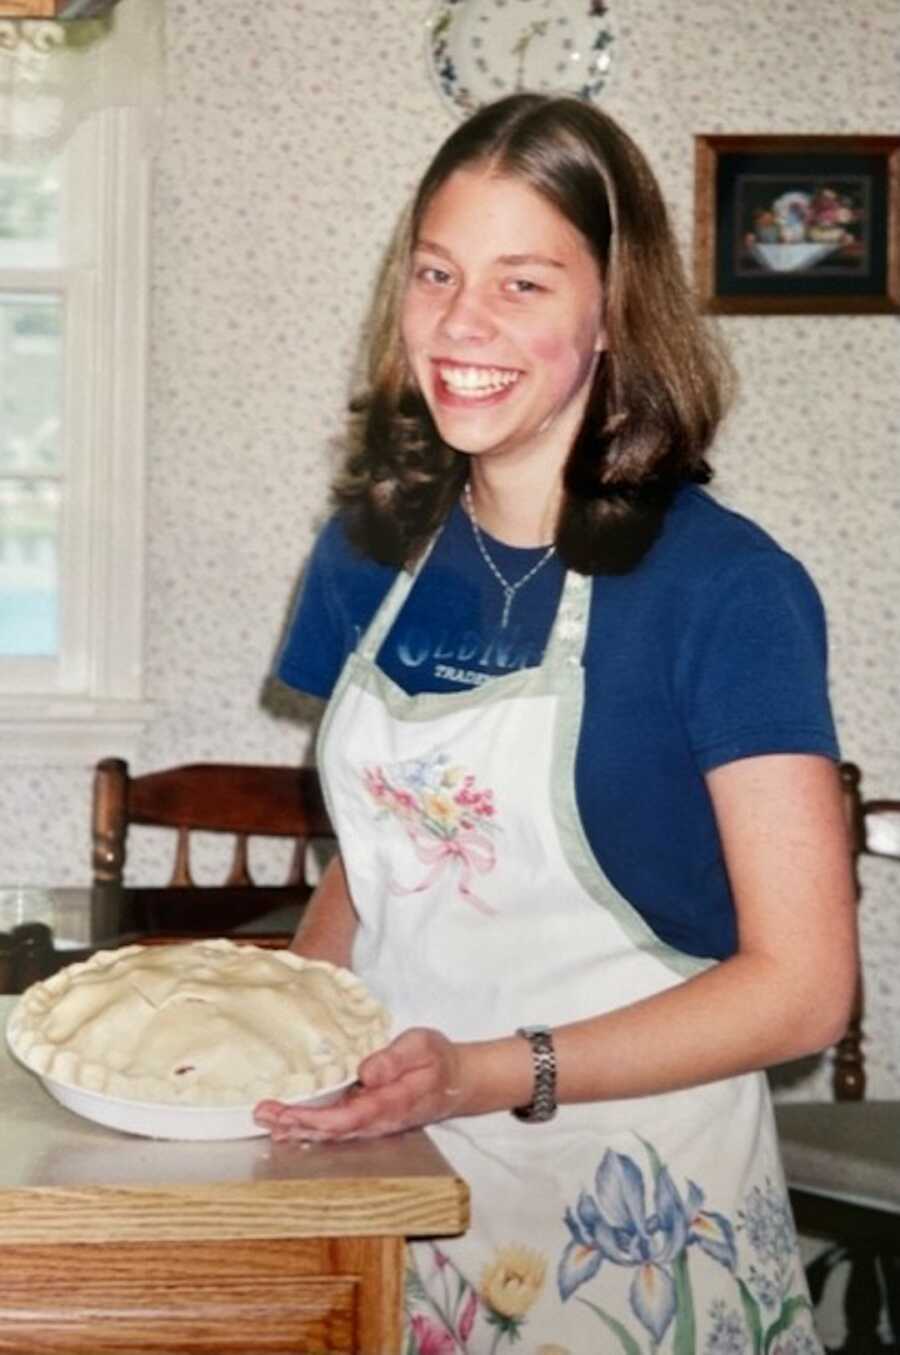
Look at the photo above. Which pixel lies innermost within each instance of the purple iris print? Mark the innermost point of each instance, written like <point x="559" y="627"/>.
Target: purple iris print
<point x="614" y="1226"/>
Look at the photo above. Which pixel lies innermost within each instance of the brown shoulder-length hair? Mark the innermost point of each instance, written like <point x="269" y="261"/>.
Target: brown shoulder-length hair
<point x="658" y="389"/>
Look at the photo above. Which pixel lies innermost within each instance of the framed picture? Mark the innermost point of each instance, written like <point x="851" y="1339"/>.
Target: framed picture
<point x="797" y="224"/>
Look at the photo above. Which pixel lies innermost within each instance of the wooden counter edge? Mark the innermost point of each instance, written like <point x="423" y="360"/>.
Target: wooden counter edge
<point x="383" y="1206"/>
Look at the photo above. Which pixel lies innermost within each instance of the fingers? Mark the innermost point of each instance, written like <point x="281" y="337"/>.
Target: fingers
<point x="370" y="1111"/>
<point x="294" y="1123"/>
<point x="409" y="1083"/>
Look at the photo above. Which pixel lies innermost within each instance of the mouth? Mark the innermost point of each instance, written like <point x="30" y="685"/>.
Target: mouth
<point x="459" y="383"/>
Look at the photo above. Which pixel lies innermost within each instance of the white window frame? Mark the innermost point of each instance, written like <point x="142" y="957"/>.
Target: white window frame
<point x="89" y="701"/>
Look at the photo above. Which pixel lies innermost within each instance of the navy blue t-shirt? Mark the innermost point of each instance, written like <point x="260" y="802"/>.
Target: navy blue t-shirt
<point x="712" y="649"/>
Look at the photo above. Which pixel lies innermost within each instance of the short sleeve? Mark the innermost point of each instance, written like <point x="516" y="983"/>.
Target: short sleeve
<point x="338" y="597"/>
<point x="754" y="672"/>
<point x="315" y="645"/>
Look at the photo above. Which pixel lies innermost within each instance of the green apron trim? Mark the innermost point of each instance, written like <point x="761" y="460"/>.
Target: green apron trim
<point x="577" y="849"/>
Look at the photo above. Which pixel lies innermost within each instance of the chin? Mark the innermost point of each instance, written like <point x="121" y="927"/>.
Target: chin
<point x="467" y="432"/>
<point x="470" y="445"/>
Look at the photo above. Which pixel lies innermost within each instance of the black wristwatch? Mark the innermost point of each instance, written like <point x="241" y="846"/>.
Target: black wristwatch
<point x="542" y="1105"/>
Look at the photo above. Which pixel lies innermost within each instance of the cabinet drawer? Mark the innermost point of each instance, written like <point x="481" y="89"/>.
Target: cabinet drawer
<point x="303" y="1297"/>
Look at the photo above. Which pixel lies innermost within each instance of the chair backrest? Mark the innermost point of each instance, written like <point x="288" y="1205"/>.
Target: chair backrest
<point x="242" y="800"/>
<point x="874" y="831"/>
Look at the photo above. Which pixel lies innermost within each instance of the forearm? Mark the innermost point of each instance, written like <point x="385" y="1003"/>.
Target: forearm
<point x="746" y="1013"/>
<point x="724" y="1022"/>
<point x="329" y="921"/>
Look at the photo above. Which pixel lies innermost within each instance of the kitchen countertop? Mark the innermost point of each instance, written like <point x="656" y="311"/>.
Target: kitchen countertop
<point x="113" y="1242"/>
<point x="84" y="1181"/>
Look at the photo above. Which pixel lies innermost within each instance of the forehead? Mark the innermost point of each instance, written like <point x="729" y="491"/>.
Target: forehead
<point x="483" y="211"/>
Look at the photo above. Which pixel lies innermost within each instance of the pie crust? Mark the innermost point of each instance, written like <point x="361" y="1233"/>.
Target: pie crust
<point x="202" y="1023"/>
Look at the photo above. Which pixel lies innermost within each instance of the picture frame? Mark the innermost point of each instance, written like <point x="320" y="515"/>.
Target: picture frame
<point x="54" y="9"/>
<point x="797" y="224"/>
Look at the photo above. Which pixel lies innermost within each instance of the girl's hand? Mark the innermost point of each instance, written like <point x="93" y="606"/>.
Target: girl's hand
<point x="415" y="1080"/>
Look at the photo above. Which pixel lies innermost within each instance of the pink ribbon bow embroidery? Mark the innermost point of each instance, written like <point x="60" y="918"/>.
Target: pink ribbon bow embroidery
<point x="471" y="851"/>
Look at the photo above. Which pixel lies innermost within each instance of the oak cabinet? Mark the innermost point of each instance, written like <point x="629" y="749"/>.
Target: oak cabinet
<point x="116" y="1245"/>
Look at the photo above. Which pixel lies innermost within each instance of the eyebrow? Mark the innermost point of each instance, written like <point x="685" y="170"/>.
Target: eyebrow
<point x="517" y="260"/>
<point x="508" y="260"/>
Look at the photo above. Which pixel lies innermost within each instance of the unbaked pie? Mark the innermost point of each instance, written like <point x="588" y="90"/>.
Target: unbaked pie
<point x="204" y="1023"/>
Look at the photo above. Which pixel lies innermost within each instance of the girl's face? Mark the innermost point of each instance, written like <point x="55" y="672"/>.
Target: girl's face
<point x="502" y="318"/>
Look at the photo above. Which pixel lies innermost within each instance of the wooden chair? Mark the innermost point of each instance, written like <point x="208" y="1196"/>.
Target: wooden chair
<point x="242" y="800"/>
<point x="842" y="1158"/>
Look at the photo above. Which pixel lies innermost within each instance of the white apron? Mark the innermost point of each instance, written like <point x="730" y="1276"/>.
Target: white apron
<point x="657" y="1224"/>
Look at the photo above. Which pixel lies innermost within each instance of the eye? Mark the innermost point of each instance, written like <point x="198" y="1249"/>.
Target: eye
<point x="523" y="286"/>
<point x="432" y="276"/>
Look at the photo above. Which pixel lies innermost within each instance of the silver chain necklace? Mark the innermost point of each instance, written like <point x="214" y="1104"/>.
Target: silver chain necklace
<point x="509" y="589"/>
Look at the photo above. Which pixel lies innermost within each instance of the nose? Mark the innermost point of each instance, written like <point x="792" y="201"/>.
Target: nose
<point x="466" y="318"/>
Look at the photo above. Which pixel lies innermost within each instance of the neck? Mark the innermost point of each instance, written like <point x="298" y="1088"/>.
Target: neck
<point x="519" y="509"/>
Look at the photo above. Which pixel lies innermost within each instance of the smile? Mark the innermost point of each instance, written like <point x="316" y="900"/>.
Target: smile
<point x="476" y="383"/>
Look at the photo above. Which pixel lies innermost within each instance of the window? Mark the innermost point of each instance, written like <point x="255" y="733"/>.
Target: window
<point x="73" y="296"/>
<point x="30" y="413"/>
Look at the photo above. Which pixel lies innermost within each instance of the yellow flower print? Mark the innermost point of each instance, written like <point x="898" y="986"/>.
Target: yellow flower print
<point x="553" y="1350"/>
<point x="511" y="1283"/>
<point x="441" y="809"/>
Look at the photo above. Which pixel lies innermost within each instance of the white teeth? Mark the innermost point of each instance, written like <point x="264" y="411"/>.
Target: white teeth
<point x="477" y="380"/>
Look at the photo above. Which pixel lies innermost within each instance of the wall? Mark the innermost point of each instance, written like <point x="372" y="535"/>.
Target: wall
<point x="293" y="132"/>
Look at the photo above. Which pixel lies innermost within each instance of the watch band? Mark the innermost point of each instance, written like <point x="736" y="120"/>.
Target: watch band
<point x="542" y="1105"/>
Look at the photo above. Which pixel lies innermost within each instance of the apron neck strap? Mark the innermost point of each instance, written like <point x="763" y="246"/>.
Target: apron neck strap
<point x="568" y="636"/>
<point x="389" y="610"/>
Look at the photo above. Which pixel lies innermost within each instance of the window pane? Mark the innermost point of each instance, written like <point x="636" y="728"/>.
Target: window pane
<point x="30" y="383"/>
<point x="29" y="216"/>
<point x="29" y="575"/>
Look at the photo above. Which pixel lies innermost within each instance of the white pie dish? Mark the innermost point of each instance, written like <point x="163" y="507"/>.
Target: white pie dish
<point x="183" y="1041"/>
<point x="157" y="1120"/>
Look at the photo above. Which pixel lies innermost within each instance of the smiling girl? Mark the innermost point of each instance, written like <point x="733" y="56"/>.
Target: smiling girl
<point x="579" y="754"/>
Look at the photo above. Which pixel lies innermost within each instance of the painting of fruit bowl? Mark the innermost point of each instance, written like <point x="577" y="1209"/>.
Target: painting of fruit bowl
<point x="797" y="223"/>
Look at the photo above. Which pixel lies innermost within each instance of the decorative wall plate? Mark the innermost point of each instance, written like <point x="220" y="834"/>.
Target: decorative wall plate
<point x="479" y="50"/>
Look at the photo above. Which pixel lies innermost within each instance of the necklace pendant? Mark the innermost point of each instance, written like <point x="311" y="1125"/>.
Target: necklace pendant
<point x="509" y="589"/>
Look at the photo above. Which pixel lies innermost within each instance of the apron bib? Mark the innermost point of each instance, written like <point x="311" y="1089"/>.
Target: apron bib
<point x="656" y="1224"/>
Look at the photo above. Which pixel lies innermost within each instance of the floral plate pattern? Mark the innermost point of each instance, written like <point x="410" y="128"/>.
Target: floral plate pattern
<point x="479" y="50"/>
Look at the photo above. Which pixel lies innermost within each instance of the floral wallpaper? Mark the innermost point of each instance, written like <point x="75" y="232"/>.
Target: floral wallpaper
<point x="292" y="133"/>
